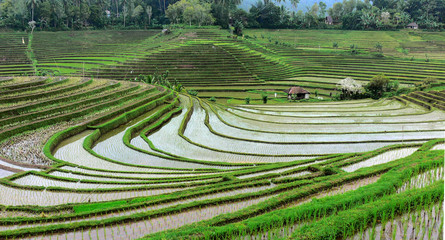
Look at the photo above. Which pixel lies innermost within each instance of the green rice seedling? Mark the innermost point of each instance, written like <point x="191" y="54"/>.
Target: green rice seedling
<point x="394" y="230"/>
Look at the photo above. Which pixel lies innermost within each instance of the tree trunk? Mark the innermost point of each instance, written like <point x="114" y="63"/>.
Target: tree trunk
<point x="117" y="8"/>
<point x="124" y="14"/>
<point x="32" y="10"/>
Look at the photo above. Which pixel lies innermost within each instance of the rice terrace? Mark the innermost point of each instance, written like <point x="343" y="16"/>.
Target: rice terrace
<point x="203" y="132"/>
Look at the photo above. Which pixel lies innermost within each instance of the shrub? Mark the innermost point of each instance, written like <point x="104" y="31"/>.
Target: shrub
<point x="354" y="49"/>
<point x="392" y="86"/>
<point x="239" y="27"/>
<point x="426" y="83"/>
<point x="350" y="89"/>
<point x="212" y="99"/>
<point x="247" y="100"/>
<point x="264" y="97"/>
<point x="379" y="47"/>
<point x="335" y="45"/>
<point x="192" y="92"/>
<point x="377" y="86"/>
<point x="404" y="91"/>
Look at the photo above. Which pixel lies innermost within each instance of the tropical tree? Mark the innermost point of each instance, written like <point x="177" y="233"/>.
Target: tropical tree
<point x="322" y="12"/>
<point x="350" y="89"/>
<point x="190" y="11"/>
<point x="379" y="47"/>
<point x="377" y="86"/>
<point x="336" y="11"/>
<point x="238" y="28"/>
<point x="33" y="4"/>
<point x="149" y="11"/>
<point x="349" y="6"/>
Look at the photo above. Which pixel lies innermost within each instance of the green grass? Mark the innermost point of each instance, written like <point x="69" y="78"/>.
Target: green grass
<point x="97" y="206"/>
<point x="422" y="42"/>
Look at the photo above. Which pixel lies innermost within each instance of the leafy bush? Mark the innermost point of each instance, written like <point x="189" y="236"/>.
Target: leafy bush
<point x="354" y="49"/>
<point x="192" y="92"/>
<point x="264" y="97"/>
<point x="392" y="86"/>
<point x="212" y="99"/>
<point x="379" y="47"/>
<point x="239" y="27"/>
<point x="425" y="83"/>
<point x="247" y="100"/>
<point x="377" y="86"/>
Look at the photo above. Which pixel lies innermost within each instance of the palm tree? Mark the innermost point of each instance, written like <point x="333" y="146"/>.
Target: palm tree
<point x="149" y="11"/>
<point x="33" y="4"/>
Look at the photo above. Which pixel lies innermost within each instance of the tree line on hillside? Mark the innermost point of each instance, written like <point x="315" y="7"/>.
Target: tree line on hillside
<point x="142" y="14"/>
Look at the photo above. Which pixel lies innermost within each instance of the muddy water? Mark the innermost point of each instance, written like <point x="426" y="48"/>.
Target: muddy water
<point x="299" y="174"/>
<point x="423" y="179"/>
<point x="141" y="228"/>
<point x="17" y="197"/>
<point x="272" y="171"/>
<point x="351" y="186"/>
<point x="4" y="173"/>
<point x="167" y="177"/>
<point x="200" y="134"/>
<point x="33" y="180"/>
<point x="286" y="231"/>
<point x="421" y="225"/>
<point x="381" y="158"/>
<point x="220" y="127"/>
<point x="71" y="150"/>
<point x="334" y="113"/>
<point x="146" y="209"/>
<point x="140" y="143"/>
<point x="7" y="164"/>
<point x="326" y="127"/>
<point x="112" y="146"/>
<point x="148" y="173"/>
<point x="167" y="139"/>
<point x="339" y="104"/>
<point x="418" y="225"/>
<point x="440" y="146"/>
<point x="437" y="115"/>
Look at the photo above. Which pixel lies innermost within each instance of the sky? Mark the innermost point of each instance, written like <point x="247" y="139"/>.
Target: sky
<point x="245" y="4"/>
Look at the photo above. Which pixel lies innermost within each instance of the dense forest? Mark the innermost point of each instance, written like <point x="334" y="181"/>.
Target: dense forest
<point x="141" y="14"/>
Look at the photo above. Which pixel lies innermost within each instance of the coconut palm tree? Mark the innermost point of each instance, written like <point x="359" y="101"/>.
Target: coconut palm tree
<point x="33" y="4"/>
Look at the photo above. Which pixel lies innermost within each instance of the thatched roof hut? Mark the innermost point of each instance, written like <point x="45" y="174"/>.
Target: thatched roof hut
<point x="299" y="92"/>
<point x="413" y="25"/>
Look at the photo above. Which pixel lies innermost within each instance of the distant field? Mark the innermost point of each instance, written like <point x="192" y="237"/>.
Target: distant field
<point x="209" y="61"/>
<point x="404" y="43"/>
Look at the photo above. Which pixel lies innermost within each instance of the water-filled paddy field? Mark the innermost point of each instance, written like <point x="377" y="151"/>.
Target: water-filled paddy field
<point x="94" y="158"/>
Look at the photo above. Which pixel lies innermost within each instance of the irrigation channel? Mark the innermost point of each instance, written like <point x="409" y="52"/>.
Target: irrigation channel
<point x="151" y="163"/>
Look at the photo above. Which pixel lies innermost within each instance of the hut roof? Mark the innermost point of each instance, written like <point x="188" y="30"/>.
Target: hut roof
<point x="329" y="19"/>
<point x="413" y="24"/>
<point x="296" y="90"/>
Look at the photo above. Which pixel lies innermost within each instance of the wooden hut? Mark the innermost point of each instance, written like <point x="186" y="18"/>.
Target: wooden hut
<point x="329" y="20"/>
<point x="297" y="93"/>
<point x="413" y="25"/>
